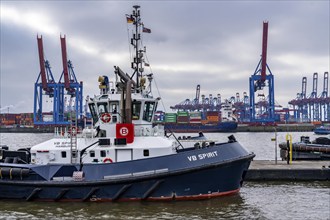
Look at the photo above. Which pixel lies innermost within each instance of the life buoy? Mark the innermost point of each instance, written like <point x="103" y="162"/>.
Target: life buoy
<point x="73" y="131"/>
<point x="106" y="117"/>
<point x="107" y="160"/>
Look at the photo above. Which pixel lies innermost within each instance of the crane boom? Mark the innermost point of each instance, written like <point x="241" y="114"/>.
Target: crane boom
<point x="325" y="85"/>
<point x="264" y="51"/>
<point x="42" y="63"/>
<point x="65" y="64"/>
<point x="314" y="92"/>
<point x="198" y="91"/>
<point x="303" y="87"/>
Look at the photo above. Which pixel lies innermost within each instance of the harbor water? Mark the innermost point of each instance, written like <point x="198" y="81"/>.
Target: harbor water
<point x="256" y="200"/>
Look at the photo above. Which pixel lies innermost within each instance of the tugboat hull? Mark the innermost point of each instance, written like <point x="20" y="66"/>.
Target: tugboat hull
<point x="122" y="157"/>
<point x="184" y="176"/>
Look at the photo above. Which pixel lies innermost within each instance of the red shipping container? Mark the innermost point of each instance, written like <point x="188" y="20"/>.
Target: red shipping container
<point x="183" y="119"/>
<point x="125" y="131"/>
<point x="212" y="113"/>
<point x="213" y="118"/>
<point x="195" y="120"/>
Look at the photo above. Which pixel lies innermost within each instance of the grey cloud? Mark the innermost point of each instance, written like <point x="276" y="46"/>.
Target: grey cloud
<point x="222" y="38"/>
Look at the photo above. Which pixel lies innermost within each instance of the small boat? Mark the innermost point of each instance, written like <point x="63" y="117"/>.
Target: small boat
<point x="123" y="157"/>
<point x="318" y="149"/>
<point x="322" y="130"/>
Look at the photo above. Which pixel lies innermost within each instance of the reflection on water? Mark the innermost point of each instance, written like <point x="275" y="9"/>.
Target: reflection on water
<point x="208" y="209"/>
<point x="264" y="200"/>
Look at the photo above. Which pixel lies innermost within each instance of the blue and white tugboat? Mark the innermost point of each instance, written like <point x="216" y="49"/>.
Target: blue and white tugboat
<point x="123" y="157"/>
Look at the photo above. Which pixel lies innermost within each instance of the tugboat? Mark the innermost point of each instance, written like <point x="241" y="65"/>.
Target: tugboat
<point x="123" y="157"/>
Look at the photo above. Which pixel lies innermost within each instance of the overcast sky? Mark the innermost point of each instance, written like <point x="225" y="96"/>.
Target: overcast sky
<point x="216" y="44"/>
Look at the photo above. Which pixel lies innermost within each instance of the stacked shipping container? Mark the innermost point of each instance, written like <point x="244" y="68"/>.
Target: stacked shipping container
<point x="22" y="119"/>
<point x="183" y="117"/>
<point x="170" y="117"/>
<point x="195" y="117"/>
<point x="213" y="116"/>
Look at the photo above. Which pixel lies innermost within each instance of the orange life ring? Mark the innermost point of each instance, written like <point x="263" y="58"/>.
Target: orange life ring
<point x="106" y="117"/>
<point x="107" y="160"/>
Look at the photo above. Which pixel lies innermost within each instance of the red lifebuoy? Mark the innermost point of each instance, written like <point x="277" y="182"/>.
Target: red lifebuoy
<point x="106" y="117"/>
<point x="107" y="160"/>
<point x="73" y="131"/>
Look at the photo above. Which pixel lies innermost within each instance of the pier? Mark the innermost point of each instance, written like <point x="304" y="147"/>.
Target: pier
<point x="267" y="170"/>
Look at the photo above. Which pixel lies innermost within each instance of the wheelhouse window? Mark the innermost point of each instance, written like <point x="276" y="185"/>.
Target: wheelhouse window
<point x="148" y="111"/>
<point x="93" y="111"/>
<point x="136" y="109"/>
<point x="114" y="107"/>
<point x="103" y="107"/>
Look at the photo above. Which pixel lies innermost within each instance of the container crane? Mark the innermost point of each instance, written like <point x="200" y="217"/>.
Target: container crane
<point x="70" y="87"/>
<point x="259" y="111"/>
<point x="303" y="102"/>
<point x="241" y="106"/>
<point x="204" y="104"/>
<point x="325" y="99"/>
<point x="44" y="85"/>
<point x="198" y="92"/>
<point x="300" y="103"/>
<point x="313" y="104"/>
<point x="314" y="107"/>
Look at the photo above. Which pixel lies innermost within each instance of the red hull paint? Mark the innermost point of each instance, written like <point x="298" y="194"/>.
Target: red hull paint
<point x="153" y="199"/>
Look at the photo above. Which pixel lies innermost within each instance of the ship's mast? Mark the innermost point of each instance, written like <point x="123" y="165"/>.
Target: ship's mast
<point x="135" y="40"/>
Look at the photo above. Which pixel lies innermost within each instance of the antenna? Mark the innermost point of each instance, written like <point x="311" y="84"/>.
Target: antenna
<point x="137" y="60"/>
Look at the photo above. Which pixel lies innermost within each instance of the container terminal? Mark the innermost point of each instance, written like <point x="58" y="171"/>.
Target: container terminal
<point x="255" y="112"/>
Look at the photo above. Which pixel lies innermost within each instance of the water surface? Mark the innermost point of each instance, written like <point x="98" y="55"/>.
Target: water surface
<point x="256" y="200"/>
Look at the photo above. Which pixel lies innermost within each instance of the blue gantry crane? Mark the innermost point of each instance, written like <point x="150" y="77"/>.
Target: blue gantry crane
<point x="313" y="104"/>
<point x="68" y="85"/>
<point x="314" y="107"/>
<point x="199" y="103"/>
<point x="300" y="104"/>
<point x="325" y="99"/>
<point x="241" y="107"/>
<point x="45" y="85"/>
<point x="263" y="110"/>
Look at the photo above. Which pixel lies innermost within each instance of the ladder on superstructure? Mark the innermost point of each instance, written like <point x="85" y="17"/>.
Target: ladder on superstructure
<point x="73" y="138"/>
